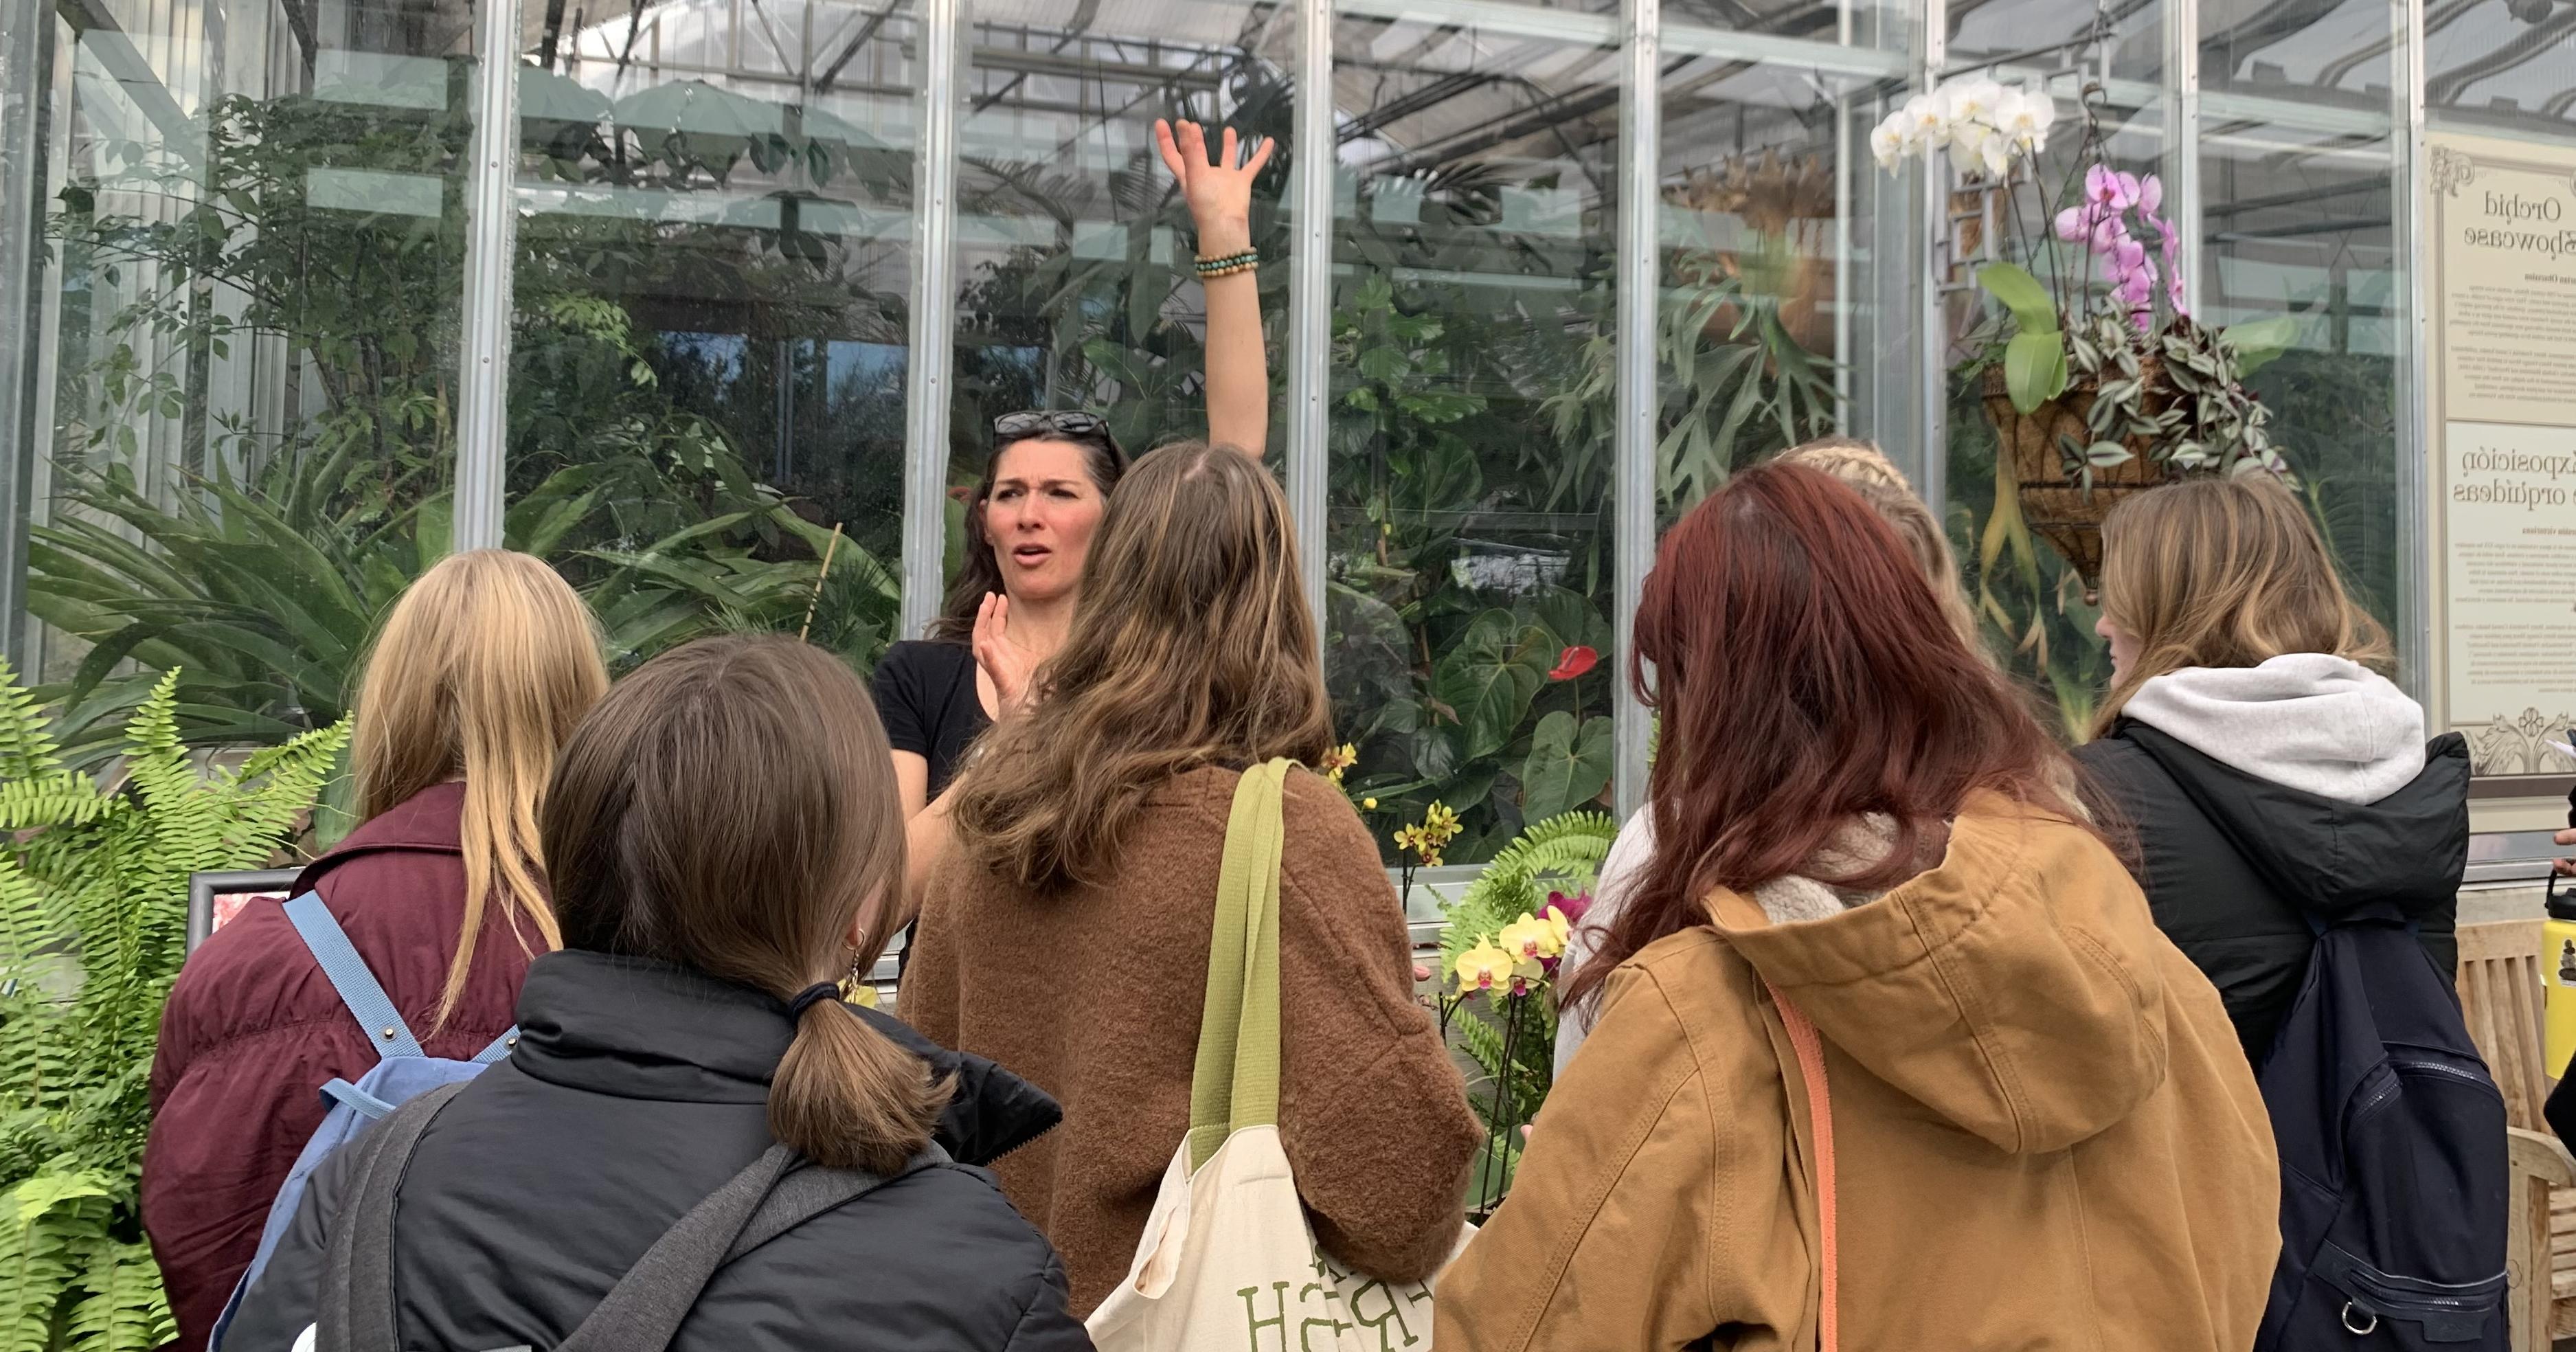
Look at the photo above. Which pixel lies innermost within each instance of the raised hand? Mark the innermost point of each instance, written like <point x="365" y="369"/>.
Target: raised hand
<point x="1008" y="668"/>
<point x="1218" y="190"/>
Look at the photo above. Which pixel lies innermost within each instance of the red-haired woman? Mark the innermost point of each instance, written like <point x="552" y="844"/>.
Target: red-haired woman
<point x="1889" y="1049"/>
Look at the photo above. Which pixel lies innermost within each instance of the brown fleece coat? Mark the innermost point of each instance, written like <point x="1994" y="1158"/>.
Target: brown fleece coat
<point x="1094" y="996"/>
<point x="2044" y="1134"/>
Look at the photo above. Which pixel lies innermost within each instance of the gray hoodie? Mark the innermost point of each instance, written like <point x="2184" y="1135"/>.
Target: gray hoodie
<point x="2309" y="721"/>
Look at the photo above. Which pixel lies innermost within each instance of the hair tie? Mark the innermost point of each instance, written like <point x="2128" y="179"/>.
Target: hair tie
<point x="811" y="996"/>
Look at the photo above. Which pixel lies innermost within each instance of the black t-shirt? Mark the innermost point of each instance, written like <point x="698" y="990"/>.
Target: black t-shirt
<point x="925" y="693"/>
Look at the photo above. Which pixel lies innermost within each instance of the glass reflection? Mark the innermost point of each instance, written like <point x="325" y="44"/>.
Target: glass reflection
<point x="708" y="339"/>
<point x="1469" y="539"/>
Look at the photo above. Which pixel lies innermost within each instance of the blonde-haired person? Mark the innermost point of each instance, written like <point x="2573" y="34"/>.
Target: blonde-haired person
<point x="472" y="685"/>
<point x="1866" y="470"/>
<point x="1067" y="935"/>
<point x="2267" y="771"/>
<point x="724" y="833"/>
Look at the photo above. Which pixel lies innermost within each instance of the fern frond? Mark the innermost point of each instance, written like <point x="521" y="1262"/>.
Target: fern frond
<point x="44" y="1224"/>
<point x="27" y="746"/>
<point x="124" y="1310"/>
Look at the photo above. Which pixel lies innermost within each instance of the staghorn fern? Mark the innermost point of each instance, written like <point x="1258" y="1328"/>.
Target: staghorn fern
<point x="93" y="921"/>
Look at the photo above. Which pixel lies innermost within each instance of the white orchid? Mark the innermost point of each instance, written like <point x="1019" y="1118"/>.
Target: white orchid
<point x="1985" y="125"/>
<point x="1970" y="144"/>
<point x="1922" y="124"/>
<point x="1964" y="102"/>
<point x="2024" y="118"/>
<point x="1887" y="143"/>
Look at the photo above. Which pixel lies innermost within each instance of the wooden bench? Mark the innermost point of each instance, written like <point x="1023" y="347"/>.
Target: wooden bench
<point x="2502" y="993"/>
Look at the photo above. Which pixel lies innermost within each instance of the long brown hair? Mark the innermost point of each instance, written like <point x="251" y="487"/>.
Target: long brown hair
<point x="1192" y="645"/>
<point x="2223" y="573"/>
<point x="479" y="673"/>
<point x="1806" y="676"/>
<point x="731" y="808"/>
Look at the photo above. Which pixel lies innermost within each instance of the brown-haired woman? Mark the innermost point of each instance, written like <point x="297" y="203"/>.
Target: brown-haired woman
<point x="2036" y="1124"/>
<point x="1067" y="936"/>
<point x="1031" y="519"/>
<point x="476" y="678"/>
<point x="2269" y="773"/>
<point x="723" y="834"/>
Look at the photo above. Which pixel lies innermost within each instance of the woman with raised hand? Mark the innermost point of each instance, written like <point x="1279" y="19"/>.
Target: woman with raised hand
<point x="724" y="835"/>
<point x="2270" y="774"/>
<point x="1066" y="936"/>
<point x="472" y="685"/>
<point x="1030" y="523"/>
<point x="1887" y="1041"/>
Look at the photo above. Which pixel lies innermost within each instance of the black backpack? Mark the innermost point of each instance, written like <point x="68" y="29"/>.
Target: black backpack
<point x="2393" y="1171"/>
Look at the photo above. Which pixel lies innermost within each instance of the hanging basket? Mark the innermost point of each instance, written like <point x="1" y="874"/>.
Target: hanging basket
<point x="2054" y="501"/>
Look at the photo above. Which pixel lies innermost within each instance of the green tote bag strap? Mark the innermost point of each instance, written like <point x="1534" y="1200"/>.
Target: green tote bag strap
<point x="1235" y="1083"/>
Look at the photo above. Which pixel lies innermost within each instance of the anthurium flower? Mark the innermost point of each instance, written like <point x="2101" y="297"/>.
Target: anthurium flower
<point x="1573" y="662"/>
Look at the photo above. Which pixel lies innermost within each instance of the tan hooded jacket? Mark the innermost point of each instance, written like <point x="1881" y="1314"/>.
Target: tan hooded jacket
<point x="2044" y="1133"/>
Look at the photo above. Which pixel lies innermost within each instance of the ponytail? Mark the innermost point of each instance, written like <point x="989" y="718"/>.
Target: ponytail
<point x="849" y="1098"/>
<point x="731" y="808"/>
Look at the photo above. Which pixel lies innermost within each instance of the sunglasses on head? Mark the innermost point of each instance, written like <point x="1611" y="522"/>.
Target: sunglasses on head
<point x="1077" y="426"/>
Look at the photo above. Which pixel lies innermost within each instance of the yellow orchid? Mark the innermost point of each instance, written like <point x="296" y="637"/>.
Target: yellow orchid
<point x="1483" y="967"/>
<point x="1368" y="805"/>
<point x="1339" y="759"/>
<point x="1559" y="926"/>
<point x="1530" y="938"/>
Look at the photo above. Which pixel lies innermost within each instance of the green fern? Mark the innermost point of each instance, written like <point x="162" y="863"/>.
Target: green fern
<point x="1567" y="848"/>
<point x="93" y="920"/>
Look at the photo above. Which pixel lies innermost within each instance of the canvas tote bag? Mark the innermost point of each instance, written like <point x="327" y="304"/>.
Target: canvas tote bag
<point x="1228" y="1263"/>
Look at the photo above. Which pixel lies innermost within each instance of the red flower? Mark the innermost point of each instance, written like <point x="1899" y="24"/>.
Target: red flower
<point x="1574" y="662"/>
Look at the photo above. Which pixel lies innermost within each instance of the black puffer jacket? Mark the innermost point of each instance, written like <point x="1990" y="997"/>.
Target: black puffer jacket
<point x="2233" y="865"/>
<point x="637" y="1089"/>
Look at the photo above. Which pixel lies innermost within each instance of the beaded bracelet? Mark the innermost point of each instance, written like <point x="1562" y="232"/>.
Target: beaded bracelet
<point x="1230" y="264"/>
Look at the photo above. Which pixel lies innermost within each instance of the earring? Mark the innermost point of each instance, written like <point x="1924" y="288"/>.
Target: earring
<point x="855" y="987"/>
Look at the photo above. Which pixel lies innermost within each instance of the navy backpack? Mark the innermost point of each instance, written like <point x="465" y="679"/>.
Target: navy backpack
<point x="402" y="1072"/>
<point x="2393" y="1171"/>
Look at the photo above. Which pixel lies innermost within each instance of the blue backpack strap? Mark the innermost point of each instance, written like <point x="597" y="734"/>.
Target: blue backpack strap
<point x="499" y="1051"/>
<point x="366" y="1000"/>
<point x="356" y="1100"/>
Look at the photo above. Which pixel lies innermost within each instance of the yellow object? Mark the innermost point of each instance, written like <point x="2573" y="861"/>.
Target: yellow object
<point x="2558" y="972"/>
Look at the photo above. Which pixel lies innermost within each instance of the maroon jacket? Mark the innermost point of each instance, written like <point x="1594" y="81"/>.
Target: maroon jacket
<point x="253" y="1030"/>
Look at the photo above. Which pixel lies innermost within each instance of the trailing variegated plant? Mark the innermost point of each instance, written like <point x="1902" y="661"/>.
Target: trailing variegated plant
<point x="93" y="923"/>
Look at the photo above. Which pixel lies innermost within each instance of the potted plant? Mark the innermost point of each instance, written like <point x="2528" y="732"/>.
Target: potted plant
<point x="2105" y="383"/>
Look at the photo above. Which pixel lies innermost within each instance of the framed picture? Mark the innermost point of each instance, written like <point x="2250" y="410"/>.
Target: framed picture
<point x="214" y="898"/>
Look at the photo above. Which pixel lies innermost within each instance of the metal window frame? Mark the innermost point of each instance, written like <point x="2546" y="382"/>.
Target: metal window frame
<point x="1310" y="305"/>
<point x="2414" y="349"/>
<point x="2182" y="138"/>
<point x="26" y="125"/>
<point x="483" y="393"/>
<point x="1637" y="401"/>
<point x="929" y="364"/>
<point x="1931" y="207"/>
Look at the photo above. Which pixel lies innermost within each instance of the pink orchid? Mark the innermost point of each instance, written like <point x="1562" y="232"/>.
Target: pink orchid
<point x="2110" y="188"/>
<point x="2074" y="223"/>
<point x="2169" y="245"/>
<point x="2151" y="194"/>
